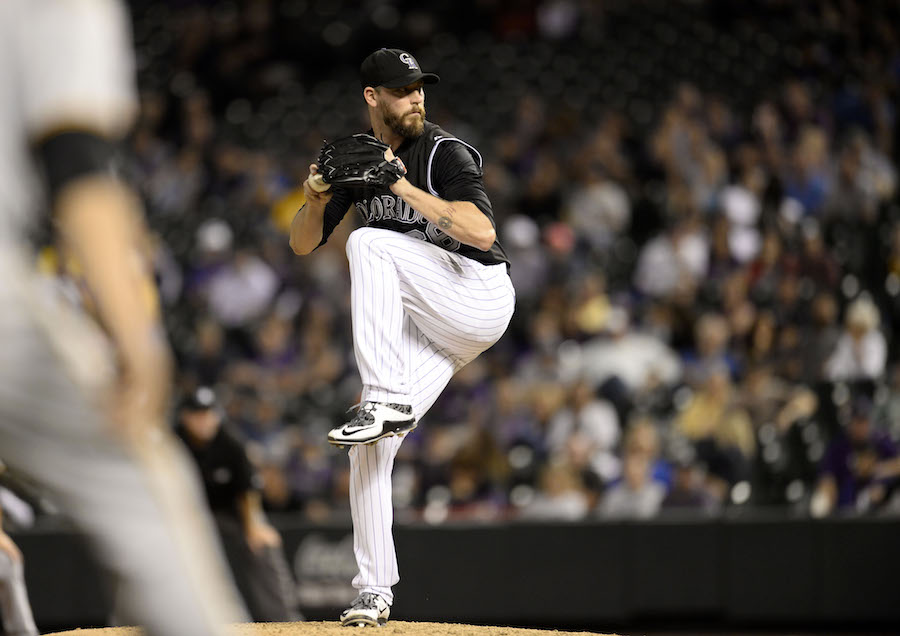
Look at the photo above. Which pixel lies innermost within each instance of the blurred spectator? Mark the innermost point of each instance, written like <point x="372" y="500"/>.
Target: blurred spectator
<point x="274" y="344"/>
<point x="712" y="334"/>
<point x="243" y="290"/>
<point x="769" y="399"/>
<point x="687" y="492"/>
<point x="590" y="310"/>
<point x="528" y="259"/>
<point x="638" y="495"/>
<point x="721" y="431"/>
<point x="815" y="264"/>
<point x="206" y="358"/>
<point x="477" y="470"/>
<point x="542" y="197"/>
<point x="560" y="495"/>
<point x="861" y="350"/>
<point x="598" y="209"/>
<point x="766" y="270"/>
<point x="807" y="180"/>
<point x="762" y="348"/>
<point x="594" y="423"/>
<point x="738" y="309"/>
<point x="742" y="207"/>
<point x="639" y="360"/>
<point x="673" y="261"/>
<point x="860" y="468"/>
<point x="865" y="178"/>
<point x="821" y="337"/>
<point x="887" y="416"/>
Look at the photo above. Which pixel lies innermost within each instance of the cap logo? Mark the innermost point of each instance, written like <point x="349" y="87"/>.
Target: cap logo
<point x="407" y="59"/>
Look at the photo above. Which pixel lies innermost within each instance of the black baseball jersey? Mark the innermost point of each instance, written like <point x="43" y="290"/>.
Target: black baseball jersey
<point x="438" y="163"/>
<point x="223" y="465"/>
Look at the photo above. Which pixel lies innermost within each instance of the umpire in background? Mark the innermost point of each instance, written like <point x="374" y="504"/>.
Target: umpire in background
<point x="252" y="545"/>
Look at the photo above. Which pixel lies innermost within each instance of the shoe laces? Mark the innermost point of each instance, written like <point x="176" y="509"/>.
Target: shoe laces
<point x="363" y="414"/>
<point x="365" y="600"/>
<point x="364" y="411"/>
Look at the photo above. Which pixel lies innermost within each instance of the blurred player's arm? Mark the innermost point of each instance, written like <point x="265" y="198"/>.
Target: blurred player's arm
<point x="99" y="223"/>
<point x="79" y="99"/>
<point x="462" y="220"/>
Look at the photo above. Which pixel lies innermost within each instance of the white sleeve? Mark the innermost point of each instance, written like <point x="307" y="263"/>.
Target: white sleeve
<point x="874" y="355"/>
<point x="666" y="363"/>
<point x="77" y="66"/>
<point x="840" y="364"/>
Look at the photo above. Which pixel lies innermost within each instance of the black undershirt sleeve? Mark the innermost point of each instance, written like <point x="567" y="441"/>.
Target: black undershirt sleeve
<point x="70" y="155"/>
<point x="457" y="176"/>
<point x="335" y="211"/>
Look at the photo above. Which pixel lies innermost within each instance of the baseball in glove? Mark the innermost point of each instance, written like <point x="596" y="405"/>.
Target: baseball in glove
<point x="358" y="161"/>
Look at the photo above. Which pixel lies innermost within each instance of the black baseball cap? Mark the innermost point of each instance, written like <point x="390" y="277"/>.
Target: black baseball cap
<point x="393" y="68"/>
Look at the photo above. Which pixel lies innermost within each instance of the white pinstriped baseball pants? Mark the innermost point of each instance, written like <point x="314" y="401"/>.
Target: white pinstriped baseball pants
<point x="420" y="313"/>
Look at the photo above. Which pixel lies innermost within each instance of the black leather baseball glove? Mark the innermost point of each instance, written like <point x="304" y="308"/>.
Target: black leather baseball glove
<point x="358" y="160"/>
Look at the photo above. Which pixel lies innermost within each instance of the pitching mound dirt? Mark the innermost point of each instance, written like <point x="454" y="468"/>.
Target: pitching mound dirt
<point x="334" y="629"/>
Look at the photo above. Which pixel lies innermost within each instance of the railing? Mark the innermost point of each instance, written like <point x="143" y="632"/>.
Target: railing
<point x="730" y="571"/>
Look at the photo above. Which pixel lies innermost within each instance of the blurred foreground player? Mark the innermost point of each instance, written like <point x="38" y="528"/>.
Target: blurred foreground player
<point x="253" y="547"/>
<point x="14" y="605"/>
<point x="92" y="437"/>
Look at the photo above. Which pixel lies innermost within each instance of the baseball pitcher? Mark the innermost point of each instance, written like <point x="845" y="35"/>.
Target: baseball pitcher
<point x="430" y="288"/>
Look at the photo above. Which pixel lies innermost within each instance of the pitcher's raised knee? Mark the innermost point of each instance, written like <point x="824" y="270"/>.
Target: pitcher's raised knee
<point x="365" y="241"/>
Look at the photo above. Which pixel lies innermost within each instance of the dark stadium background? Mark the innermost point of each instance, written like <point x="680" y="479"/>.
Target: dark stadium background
<point x="700" y="204"/>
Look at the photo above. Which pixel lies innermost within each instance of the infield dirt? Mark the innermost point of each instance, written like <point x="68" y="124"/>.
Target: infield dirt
<point x="393" y="628"/>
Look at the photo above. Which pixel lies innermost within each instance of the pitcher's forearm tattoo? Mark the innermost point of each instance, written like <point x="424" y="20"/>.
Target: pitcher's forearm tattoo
<point x="445" y="221"/>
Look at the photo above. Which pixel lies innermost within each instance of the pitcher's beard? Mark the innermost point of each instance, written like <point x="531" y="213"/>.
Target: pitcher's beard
<point x="406" y="127"/>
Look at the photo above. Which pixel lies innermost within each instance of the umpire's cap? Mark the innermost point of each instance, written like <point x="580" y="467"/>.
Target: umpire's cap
<point x="393" y="68"/>
<point x="201" y="399"/>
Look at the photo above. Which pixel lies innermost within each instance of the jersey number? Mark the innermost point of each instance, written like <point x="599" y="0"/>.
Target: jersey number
<point x="434" y="235"/>
<point x="438" y="237"/>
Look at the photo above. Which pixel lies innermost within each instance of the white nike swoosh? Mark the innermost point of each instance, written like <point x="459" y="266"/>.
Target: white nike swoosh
<point x="347" y="430"/>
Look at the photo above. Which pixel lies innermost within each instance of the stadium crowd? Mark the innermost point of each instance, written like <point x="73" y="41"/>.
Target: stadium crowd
<point x="702" y="219"/>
